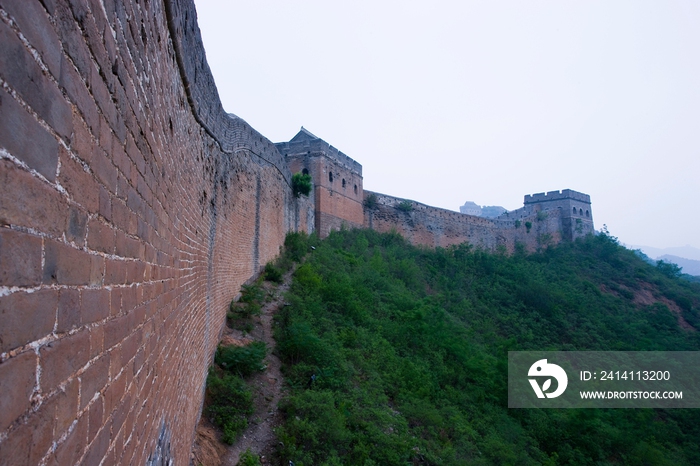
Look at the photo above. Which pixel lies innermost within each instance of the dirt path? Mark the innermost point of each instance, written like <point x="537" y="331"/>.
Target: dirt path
<point x="268" y="387"/>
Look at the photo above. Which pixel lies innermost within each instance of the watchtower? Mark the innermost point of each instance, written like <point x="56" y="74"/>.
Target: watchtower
<point x="336" y="178"/>
<point x="575" y="210"/>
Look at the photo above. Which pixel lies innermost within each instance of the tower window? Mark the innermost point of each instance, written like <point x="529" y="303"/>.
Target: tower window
<point x="588" y="214"/>
<point x="580" y="211"/>
<point x="574" y="210"/>
<point x="330" y="176"/>
<point x="305" y="172"/>
<point x="343" y="182"/>
<point x="355" y="189"/>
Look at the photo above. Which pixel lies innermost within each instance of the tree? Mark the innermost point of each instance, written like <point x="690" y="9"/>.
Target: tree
<point x="301" y="184"/>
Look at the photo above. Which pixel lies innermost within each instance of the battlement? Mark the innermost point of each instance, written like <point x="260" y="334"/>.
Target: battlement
<point x="557" y="196"/>
<point x="312" y="145"/>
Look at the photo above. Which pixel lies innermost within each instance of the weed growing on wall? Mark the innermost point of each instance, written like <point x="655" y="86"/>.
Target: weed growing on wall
<point x="301" y="184"/>
<point x="405" y="206"/>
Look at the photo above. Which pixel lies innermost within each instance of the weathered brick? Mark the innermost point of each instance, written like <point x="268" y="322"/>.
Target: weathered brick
<point x="62" y="358"/>
<point x="20" y="258"/>
<point x="105" y="204"/>
<point x="116" y="301"/>
<point x="121" y="412"/>
<point x="121" y="160"/>
<point x="129" y="299"/>
<point x="76" y="89"/>
<point x="95" y="305"/>
<point x="22" y="72"/>
<point x="25" y="138"/>
<point x="66" y="402"/>
<point x="29" y="443"/>
<point x="34" y="23"/>
<point x="115" y="331"/>
<point x="76" y="228"/>
<point x="135" y="155"/>
<point x="71" y="38"/>
<point x="100" y="237"/>
<point x="66" y="265"/>
<point x="115" y="272"/>
<point x="17" y="380"/>
<point x="71" y="449"/>
<point x="135" y="271"/>
<point x="129" y="347"/>
<point x="94" y="379"/>
<point x="97" y="449"/>
<point x="29" y="202"/>
<point x="122" y="216"/>
<point x="97" y="338"/>
<point x="95" y="415"/>
<point x="68" y="310"/>
<point x="26" y="317"/>
<point x="80" y="185"/>
<point x="115" y="392"/>
<point x="97" y="271"/>
<point x="104" y="169"/>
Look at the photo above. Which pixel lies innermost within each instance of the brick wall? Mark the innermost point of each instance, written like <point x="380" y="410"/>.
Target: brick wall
<point x="435" y="227"/>
<point x="132" y="210"/>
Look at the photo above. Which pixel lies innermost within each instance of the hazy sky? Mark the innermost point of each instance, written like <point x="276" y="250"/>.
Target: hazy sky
<point x="448" y="101"/>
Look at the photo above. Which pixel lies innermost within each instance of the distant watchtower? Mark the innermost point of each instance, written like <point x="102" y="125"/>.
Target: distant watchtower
<point x="337" y="180"/>
<point x="575" y="210"/>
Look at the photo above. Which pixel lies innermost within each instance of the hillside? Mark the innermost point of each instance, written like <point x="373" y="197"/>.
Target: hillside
<point x="409" y="349"/>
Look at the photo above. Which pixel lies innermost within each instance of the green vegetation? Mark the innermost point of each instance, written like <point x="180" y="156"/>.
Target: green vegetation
<point x="240" y="313"/>
<point x="405" y="206"/>
<point x="528" y="225"/>
<point x="301" y="184"/>
<point x="273" y="273"/>
<point x="409" y="349"/>
<point x="371" y="201"/>
<point x="230" y="403"/>
<point x="248" y="458"/>
<point x="242" y="360"/>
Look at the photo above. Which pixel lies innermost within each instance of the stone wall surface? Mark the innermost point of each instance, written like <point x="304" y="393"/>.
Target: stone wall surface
<point x="132" y="210"/>
<point x="434" y="227"/>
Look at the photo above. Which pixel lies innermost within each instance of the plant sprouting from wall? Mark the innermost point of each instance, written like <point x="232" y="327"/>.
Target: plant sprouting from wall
<point x="405" y="206"/>
<point x="371" y="201"/>
<point x="301" y="184"/>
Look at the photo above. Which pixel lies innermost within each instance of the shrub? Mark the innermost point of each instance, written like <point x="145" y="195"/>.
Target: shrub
<point x="296" y="245"/>
<point x="249" y="458"/>
<point x="371" y="201"/>
<point x="405" y="206"/>
<point x="252" y="293"/>
<point x="272" y="273"/>
<point x="301" y="184"/>
<point x="518" y="223"/>
<point x="231" y="403"/>
<point x="528" y="225"/>
<point x="242" y="360"/>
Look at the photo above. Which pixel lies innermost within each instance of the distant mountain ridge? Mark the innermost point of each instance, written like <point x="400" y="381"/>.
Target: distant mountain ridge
<point x="687" y="257"/>
<point x="690" y="266"/>
<point x="686" y="252"/>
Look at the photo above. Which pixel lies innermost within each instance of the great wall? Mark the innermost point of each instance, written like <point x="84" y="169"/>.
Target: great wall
<point x="134" y="207"/>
